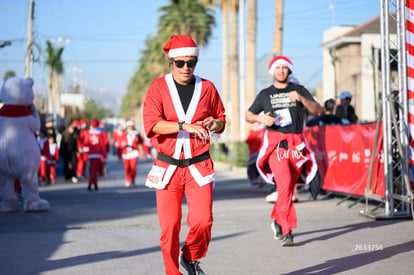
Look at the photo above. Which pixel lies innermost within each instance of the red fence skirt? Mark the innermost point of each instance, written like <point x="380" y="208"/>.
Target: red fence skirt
<point x="343" y="154"/>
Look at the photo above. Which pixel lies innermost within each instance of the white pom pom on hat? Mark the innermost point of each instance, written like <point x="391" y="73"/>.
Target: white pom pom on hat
<point x="130" y="122"/>
<point x="280" y="60"/>
<point x="180" y="45"/>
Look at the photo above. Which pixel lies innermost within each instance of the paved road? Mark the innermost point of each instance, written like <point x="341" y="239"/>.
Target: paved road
<point x="115" y="231"/>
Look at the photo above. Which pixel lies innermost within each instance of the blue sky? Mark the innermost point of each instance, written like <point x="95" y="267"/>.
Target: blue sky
<point x="107" y="38"/>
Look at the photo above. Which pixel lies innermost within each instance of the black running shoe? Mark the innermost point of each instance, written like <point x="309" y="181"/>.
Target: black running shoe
<point x="193" y="268"/>
<point x="277" y="230"/>
<point x="288" y="239"/>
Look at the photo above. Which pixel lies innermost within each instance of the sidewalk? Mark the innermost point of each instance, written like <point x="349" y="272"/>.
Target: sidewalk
<point x="115" y="231"/>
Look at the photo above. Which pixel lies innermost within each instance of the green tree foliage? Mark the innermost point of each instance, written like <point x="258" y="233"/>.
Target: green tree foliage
<point x="53" y="61"/>
<point x="8" y="74"/>
<point x="92" y="110"/>
<point x="192" y="17"/>
<point x="188" y="17"/>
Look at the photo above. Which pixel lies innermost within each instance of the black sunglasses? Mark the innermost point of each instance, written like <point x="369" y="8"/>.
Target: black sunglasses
<point x="180" y="63"/>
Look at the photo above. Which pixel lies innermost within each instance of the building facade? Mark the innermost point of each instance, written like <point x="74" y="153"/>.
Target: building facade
<point x="351" y="61"/>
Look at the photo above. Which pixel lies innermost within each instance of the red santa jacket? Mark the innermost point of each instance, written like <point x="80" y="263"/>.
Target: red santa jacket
<point x="53" y="154"/>
<point x="118" y="136"/>
<point x="94" y="144"/>
<point x="130" y="143"/>
<point x="163" y="103"/>
<point x="44" y="148"/>
<point x="81" y="141"/>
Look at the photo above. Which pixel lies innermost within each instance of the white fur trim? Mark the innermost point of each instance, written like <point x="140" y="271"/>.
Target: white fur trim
<point x="278" y="63"/>
<point x="188" y="51"/>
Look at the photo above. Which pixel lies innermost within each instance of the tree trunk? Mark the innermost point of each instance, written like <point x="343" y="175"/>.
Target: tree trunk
<point x="57" y="99"/>
<point x="50" y="98"/>
<point x="225" y="63"/>
<point x="234" y="75"/>
<point x="251" y="27"/>
<point x="278" y="36"/>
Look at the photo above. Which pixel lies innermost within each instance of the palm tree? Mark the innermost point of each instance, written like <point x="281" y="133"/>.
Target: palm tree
<point x="191" y="17"/>
<point x="54" y="62"/>
<point x="188" y="17"/>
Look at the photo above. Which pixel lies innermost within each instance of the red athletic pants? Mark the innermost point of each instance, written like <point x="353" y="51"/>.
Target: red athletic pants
<point x="199" y="219"/>
<point x="94" y="164"/>
<point x="80" y="167"/>
<point x="130" y="166"/>
<point x="43" y="171"/>
<point x="286" y="175"/>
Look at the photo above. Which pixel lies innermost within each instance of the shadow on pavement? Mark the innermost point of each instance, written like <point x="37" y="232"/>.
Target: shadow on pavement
<point x="344" y="264"/>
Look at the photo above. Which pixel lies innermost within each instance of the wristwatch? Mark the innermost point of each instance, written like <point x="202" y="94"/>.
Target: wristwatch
<point x="180" y="125"/>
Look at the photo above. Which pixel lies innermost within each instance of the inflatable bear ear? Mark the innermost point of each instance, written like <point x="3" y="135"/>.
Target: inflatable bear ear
<point x="29" y="81"/>
<point x="17" y="91"/>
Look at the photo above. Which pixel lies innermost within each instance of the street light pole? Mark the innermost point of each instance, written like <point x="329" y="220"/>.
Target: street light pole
<point x="29" y="52"/>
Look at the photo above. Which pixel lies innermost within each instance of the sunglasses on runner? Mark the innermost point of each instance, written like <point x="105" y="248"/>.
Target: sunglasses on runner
<point x="180" y="63"/>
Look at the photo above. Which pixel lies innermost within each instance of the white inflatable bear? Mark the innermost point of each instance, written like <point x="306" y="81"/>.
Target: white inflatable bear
<point x="19" y="150"/>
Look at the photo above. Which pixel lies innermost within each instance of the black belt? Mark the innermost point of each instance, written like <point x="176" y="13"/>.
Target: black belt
<point x="183" y="162"/>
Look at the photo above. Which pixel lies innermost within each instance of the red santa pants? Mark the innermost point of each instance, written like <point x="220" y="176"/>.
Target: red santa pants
<point x="85" y="156"/>
<point x="51" y="172"/>
<point x="43" y="171"/>
<point x="94" y="164"/>
<point x="80" y="167"/>
<point x="130" y="166"/>
<point x="286" y="174"/>
<point x="199" y="219"/>
<point x="119" y="153"/>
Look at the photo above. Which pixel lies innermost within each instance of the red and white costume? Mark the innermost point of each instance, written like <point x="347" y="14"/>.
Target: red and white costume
<point x="103" y="170"/>
<point x="274" y="163"/>
<point x="118" y="138"/>
<point x="82" y="149"/>
<point x="52" y="161"/>
<point x="163" y="94"/>
<point x="44" y="157"/>
<point x="94" y="144"/>
<point x="130" y="156"/>
<point x="163" y="103"/>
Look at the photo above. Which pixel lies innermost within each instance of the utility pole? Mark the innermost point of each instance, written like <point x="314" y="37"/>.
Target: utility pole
<point x="29" y="52"/>
<point x="278" y="35"/>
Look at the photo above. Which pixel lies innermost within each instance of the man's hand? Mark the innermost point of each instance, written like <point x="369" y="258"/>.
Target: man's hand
<point x="295" y="96"/>
<point x="197" y="129"/>
<point x="212" y="124"/>
<point x="266" y="119"/>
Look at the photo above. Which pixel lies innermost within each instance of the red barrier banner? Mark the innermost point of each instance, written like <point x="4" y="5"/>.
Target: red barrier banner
<point x="343" y="154"/>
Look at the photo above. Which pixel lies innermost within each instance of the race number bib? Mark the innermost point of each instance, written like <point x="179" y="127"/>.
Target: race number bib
<point x="155" y="175"/>
<point x="283" y="118"/>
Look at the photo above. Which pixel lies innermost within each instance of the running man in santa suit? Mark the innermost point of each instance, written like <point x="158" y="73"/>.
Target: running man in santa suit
<point x="130" y="153"/>
<point x="282" y="108"/>
<point x="180" y="112"/>
<point x="94" y="145"/>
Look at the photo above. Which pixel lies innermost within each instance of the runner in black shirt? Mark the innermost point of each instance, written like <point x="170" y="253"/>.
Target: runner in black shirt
<point x="282" y="108"/>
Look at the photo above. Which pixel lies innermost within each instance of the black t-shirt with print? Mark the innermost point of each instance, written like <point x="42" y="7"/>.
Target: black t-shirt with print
<point x="274" y="100"/>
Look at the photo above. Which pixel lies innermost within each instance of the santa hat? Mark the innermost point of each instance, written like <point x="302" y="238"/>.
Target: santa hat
<point x="130" y="122"/>
<point x="94" y="123"/>
<point x="180" y="45"/>
<point x="83" y="123"/>
<point x="75" y="123"/>
<point x="280" y="60"/>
